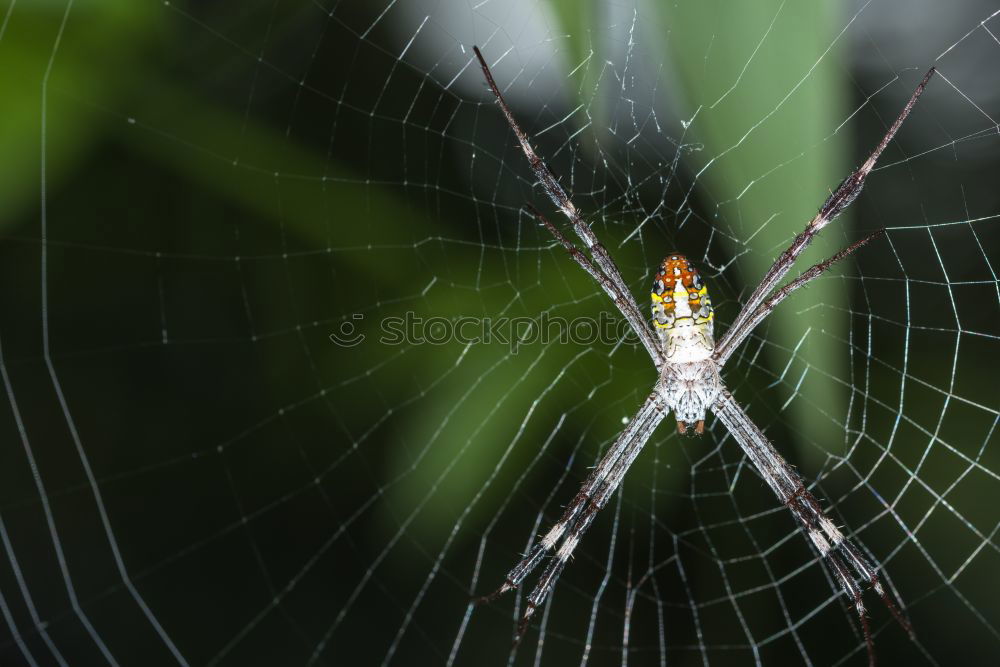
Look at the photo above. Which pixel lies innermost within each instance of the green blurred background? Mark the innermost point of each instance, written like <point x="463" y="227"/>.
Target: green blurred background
<point x="196" y="196"/>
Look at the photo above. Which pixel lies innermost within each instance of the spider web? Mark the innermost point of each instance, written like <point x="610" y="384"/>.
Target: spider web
<point x="201" y="199"/>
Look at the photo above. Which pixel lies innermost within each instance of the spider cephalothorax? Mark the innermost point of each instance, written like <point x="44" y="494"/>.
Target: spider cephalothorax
<point x="683" y="316"/>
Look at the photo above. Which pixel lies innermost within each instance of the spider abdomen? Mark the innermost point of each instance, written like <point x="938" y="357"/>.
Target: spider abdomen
<point x="682" y="311"/>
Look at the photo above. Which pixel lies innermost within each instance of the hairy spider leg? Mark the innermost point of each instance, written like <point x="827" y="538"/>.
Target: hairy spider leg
<point x="840" y="199"/>
<point x="733" y="340"/>
<point x="636" y="433"/>
<point x="558" y="195"/>
<point x="587" y="507"/>
<point x="831" y="544"/>
<point x="616" y="292"/>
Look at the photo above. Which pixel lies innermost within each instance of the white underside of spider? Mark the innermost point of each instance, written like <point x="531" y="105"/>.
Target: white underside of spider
<point x="689" y="362"/>
<point x="688" y="390"/>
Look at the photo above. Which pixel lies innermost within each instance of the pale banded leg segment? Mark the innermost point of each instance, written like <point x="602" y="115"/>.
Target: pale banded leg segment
<point x="589" y="507"/>
<point x="733" y="338"/>
<point x="618" y="293"/>
<point x="578" y="515"/>
<point x="558" y="195"/>
<point x="636" y="429"/>
<point x="835" y="204"/>
<point x="839" y="552"/>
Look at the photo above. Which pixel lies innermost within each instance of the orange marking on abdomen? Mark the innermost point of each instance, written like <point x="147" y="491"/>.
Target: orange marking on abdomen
<point x="676" y="266"/>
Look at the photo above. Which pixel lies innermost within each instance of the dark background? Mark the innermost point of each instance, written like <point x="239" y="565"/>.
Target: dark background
<point x="195" y="196"/>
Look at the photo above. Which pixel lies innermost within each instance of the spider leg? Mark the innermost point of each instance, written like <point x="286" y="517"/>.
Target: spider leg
<point x="835" y="204"/>
<point x="588" y="507"/>
<point x="637" y="431"/>
<point x="559" y="197"/>
<point x="841" y="555"/>
<point x="733" y="337"/>
<point x="624" y="301"/>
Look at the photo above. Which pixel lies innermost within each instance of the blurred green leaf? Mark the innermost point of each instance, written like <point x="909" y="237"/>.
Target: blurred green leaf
<point x="99" y="54"/>
<point x="223" y="152"/>
<point x="578" y="17"/>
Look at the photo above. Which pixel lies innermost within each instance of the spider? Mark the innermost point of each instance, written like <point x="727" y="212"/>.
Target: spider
<point x="688" y="360"/>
